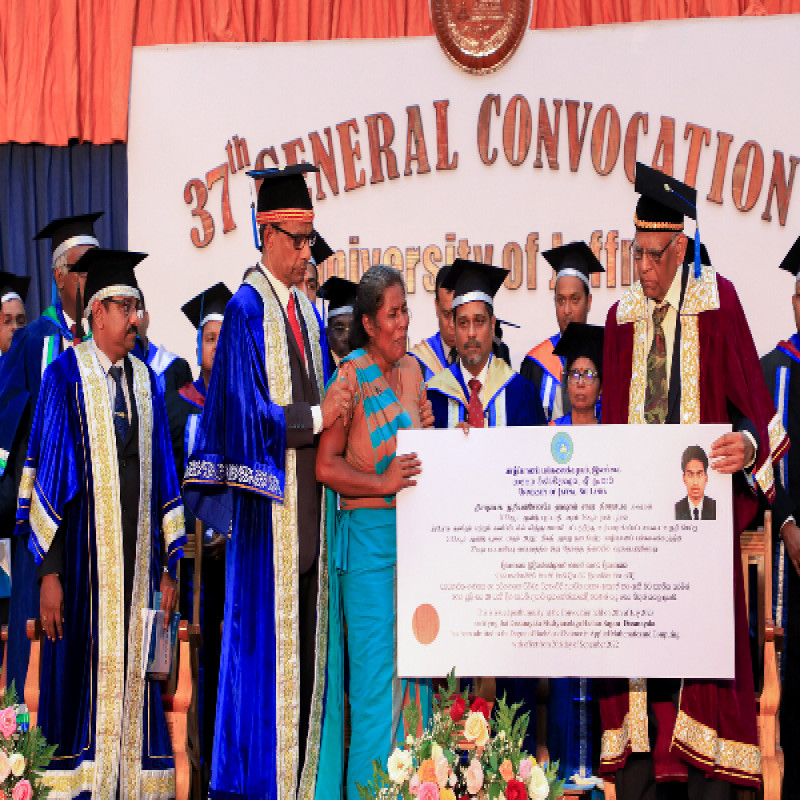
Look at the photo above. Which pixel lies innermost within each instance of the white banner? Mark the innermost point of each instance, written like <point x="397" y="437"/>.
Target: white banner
<point x="421" y="161"/>
<point x="564" y="551"/>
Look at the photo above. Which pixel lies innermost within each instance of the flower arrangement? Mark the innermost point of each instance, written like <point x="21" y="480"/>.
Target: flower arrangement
<point x="468" y="753"/>
<point x="24" y="753"/>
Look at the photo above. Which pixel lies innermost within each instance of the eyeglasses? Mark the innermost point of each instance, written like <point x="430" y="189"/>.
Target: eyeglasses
<point x="299" y="239"/>
<point x="128" y="306"/>
<point x="585" y="375"/>
<point x="655" y="256"/>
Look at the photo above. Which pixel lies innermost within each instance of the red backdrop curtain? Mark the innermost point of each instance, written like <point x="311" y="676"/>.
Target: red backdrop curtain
<point x="65" y="64"/>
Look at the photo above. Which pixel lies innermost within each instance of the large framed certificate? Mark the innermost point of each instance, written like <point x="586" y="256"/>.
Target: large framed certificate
<point x="599" y="550"/>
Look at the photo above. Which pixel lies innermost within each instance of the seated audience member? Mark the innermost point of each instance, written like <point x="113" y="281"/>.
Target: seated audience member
<point x="13" y="291"/>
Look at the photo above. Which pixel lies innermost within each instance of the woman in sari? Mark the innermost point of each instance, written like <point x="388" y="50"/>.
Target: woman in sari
<point x="572" y="729"/>
<point x="357" y="459"/>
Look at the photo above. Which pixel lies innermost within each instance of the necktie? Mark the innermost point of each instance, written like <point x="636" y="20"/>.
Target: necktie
<point x="655" y="398"/>
<point x="475" y="410"/>
<point x="452" y="356"/>
<point x="294" y="323"/>
<point x="121" y="424"/>
<point x="696" y="513"/>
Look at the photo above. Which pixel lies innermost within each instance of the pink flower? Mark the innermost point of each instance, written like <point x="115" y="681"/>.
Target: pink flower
<point x="474" y="776"/>
<point x="22" y="791"/>
<point x="524" y="769"/>
<point x="5" y="766"/>
<point x="8" y="722"/>
<point x="442" y="771"/>
<point x="414" y="784"/>
<point x="428" y="791"/>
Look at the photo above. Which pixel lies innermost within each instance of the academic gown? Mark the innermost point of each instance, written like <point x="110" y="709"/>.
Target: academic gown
<point x="512" y="402"/>
<point x="171" y="370"/>
<point x="545" y="371"/>
<point x="715" y="378"/>
<point x="99" y="512"/>
<point x="781" y="369"/>
<point x="431" y="356"/>
<point x="512" y="399"/>
<point x="252" y="475"/>
<point x="32" y="350"/>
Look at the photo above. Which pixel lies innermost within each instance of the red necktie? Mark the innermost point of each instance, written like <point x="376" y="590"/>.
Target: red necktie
<point x="294" y="323"/>
<point x="74" y="332"/>
<point x="475" y="410"/>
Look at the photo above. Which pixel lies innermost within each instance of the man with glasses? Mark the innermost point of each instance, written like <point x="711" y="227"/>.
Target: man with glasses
<point x="100" y="508"/>
<point x="21" y="370"/>
<point x="573" y="264"/>
<point x="678" y="350"/>
<point x="438" y="352"/>
<point x="252" y="475"/>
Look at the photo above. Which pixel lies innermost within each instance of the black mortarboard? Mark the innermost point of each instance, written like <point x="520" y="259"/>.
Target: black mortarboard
<point x="791" y="261"/>
<point x="321" y="250"/>
<point x="340" y="294"/>
<point x="11" y="284"/>
<point x="689" y="257"/>
<point x="210" y="302"/>
<point x="59" y="231"/>
<point x="108" y="273"/>
<point x="282" y="189"/>
<point x="472" y="280"/>
<point x="576" y="259"/>
<point x="581" y="340"/>
<point x="664" y="201"/>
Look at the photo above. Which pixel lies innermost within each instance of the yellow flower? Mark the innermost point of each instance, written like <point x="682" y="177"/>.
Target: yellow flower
<point x="447" y="794"/>
<point x="476" y="729"/>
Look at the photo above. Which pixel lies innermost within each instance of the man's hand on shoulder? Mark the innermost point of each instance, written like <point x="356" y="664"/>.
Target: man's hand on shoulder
<point x="336" y="402"/>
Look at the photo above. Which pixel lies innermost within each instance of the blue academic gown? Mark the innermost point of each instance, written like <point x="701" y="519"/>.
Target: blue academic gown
<point x="513" y="402"/>
<point x="81" y="703"/>
<point x="32" y="349"/>
<point x="235" y="476"/>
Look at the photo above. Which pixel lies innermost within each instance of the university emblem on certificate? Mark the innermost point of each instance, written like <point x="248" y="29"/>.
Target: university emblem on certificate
<point x="480" y="35"/>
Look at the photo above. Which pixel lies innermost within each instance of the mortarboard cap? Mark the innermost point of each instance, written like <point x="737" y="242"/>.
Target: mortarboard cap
<point x="283" y="194"/>
<point x="67" y="232"/>
<point x="575" y="259"/>
<point x="109" y="274"/>
<point x="581" y="340"/>
<point x="472" y="280"/>
<point x="664" y="201"/>
<point x="13" y="287"/>
<point x="208" y="305"/>
<point x="340" y="294"/>
<point x="791" y="261"/>
<point x="321" y="250"/>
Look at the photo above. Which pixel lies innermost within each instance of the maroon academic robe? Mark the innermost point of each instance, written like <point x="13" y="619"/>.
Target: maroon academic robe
<point x="716" y="366"/>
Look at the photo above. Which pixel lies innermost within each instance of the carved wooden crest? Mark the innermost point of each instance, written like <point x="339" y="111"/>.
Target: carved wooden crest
<point x="480" y="35"/>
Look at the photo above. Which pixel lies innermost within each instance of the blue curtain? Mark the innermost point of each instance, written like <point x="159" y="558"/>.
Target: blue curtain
<point x="39" y="183"/>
